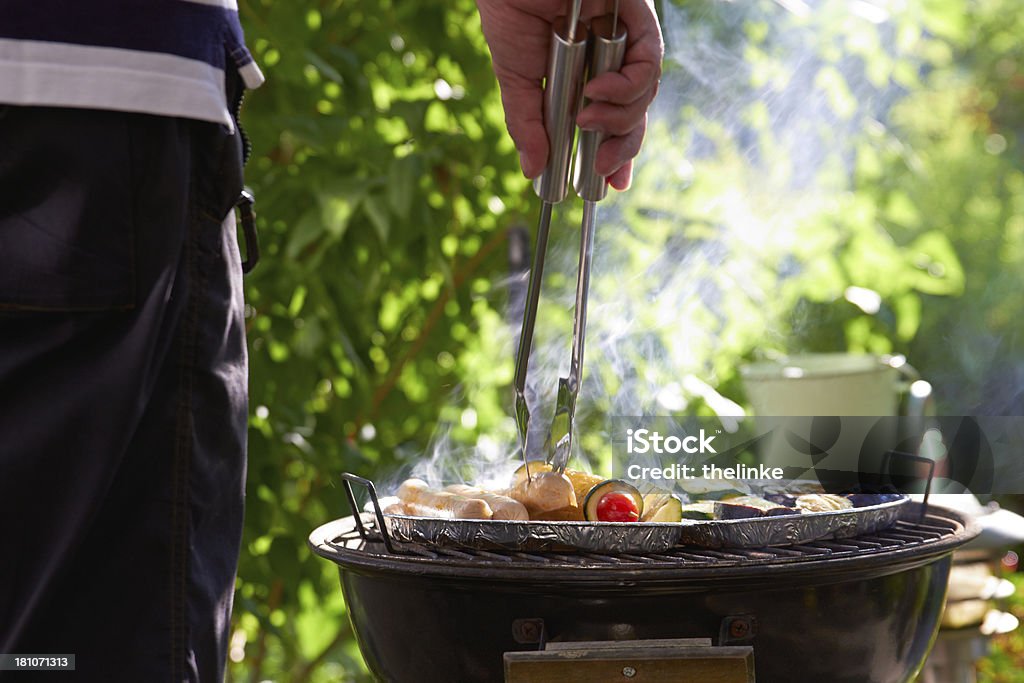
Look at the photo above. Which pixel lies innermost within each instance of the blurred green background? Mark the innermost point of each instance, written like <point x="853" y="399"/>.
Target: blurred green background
<point x="817" y="177"/>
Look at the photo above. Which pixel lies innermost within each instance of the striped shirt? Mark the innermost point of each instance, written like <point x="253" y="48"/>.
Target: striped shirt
<point x="166" y="57"/>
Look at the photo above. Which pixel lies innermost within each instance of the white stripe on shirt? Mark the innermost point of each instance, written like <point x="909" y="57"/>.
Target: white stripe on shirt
<point x="64" y="74"/>
<point x="226" y="4"/>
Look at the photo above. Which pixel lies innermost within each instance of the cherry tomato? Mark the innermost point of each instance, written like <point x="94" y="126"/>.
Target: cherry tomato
<point x="617" y="507"/>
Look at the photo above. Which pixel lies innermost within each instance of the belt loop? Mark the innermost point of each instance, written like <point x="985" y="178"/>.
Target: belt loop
<point x="248" y="219"/>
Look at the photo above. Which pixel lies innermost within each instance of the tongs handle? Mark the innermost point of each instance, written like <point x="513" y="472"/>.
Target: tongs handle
<point x="576" y="53"/>
<point x="608" y="48"/>
<point x="566" y="63"/>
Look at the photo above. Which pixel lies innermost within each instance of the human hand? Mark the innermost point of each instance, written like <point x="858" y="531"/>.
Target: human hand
<point x="519" y="35"/>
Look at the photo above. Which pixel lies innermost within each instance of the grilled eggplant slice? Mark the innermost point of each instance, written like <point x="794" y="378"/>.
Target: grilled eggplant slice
<point x="746" y="507"/>
<point x="784" y="499"/>
<point x="861" y="500"/>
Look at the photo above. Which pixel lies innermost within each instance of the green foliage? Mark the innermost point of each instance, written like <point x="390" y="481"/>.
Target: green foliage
<point x="821" y="181"/>
<point x="1005" y="662"/>
<point x="385" y="184"/>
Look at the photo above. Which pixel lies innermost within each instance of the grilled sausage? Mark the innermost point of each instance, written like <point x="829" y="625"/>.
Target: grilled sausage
<point x="421" y="500"/>
<point x="396" y="508"/>
<point x="544" y="492"/>
<point x="502" y="507"/>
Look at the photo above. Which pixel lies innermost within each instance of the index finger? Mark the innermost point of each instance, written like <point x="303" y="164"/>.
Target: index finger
<point x="631" y="83"/>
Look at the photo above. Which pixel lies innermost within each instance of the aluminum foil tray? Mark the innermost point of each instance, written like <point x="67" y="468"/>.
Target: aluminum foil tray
<point x="619" y="538"/>
<point x="793" y="529"/>
<point x="604" y="537"/>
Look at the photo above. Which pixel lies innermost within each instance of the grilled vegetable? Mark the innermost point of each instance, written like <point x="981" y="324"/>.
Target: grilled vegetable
<point x="860" y="500"/>
<point x="613" y="501"/>
<point x="661" y="507"/>
<point x="745" y="507"/>
<point x="783" y="499"/>
<point x="713" y="489"/>
<point x="617" y="507"/>
<point x="704" y="509"/>
<point x="582" y="482"/>
<point x="823" y="502"/>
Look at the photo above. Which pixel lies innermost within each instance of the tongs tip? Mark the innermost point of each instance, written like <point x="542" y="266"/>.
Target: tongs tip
<point x="560" y="435"/>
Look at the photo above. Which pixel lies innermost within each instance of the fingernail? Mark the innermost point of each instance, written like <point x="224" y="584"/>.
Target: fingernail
<point x="586" y="122"/>
<point x="623" y="183"/>
<point x="588" y="91"/>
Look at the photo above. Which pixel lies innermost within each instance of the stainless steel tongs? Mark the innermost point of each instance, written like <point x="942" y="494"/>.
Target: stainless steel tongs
<point x="577" y="54"/>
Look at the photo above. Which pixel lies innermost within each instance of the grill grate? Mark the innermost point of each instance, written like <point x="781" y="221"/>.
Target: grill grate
<point x="903" y="535"/>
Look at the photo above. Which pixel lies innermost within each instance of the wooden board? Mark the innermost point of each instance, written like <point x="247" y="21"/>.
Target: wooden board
<point x="660" y="661"/>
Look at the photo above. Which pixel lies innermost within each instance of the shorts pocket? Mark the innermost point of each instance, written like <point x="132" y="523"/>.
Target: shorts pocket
<point x="67" y="229"/>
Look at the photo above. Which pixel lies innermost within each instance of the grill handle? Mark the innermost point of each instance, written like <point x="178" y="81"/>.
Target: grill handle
<point x="890" y="456"/>
<point x="347" y="479"/>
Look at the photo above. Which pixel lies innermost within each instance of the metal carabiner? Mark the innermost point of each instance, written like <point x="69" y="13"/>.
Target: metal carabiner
<point x="247" y="217"/>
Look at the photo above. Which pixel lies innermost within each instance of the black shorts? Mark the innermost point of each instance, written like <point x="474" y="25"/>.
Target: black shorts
<point x="122" y="392"/>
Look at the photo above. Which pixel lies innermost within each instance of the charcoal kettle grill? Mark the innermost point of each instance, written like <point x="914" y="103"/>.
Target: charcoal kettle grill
<point x="858" y="610"/>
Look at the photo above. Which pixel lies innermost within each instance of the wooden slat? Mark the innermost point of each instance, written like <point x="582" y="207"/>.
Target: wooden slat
<point x="647" y="664"/>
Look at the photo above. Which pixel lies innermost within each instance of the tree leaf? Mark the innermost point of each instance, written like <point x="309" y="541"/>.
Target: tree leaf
<point x="378" y="216"/>
<point x="403" y="176"/>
